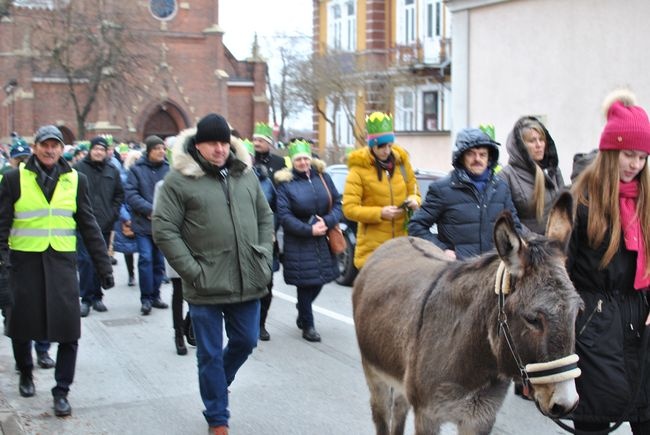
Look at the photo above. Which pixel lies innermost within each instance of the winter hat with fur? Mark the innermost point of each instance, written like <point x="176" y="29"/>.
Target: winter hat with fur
<point x="628" y="127"/>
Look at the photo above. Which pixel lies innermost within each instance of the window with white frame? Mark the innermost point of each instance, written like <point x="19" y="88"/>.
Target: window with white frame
<point x="430" y="109"/>
<point x="351" y="27"/>
<point x="342" y="28"/>
<point x="405" y="110"/>
<point x="343" y="129"/>
<point x="407" y="22"/>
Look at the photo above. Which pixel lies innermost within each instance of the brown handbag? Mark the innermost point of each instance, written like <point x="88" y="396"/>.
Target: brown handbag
<point x="334" y="235"/>
<point x="127" y="231"/>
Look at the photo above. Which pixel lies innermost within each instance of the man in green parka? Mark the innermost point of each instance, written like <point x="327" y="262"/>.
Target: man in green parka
<point x="214" y="225"/>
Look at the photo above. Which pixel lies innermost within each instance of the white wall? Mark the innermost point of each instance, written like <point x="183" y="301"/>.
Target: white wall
<point x="554" y="58"/>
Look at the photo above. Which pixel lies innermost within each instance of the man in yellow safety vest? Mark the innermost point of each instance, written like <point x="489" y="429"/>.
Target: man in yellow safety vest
<point x="42" y="205"/>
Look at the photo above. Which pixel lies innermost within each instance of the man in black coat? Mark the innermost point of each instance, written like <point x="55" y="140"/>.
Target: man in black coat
<point x="465" y="204"/>
<point x="42" y="205"/>
<point x="108" y="195"/>
<point x="267" y="164"/>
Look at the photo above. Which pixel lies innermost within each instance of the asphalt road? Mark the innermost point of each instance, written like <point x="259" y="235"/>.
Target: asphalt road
<point x="129" y="379"/>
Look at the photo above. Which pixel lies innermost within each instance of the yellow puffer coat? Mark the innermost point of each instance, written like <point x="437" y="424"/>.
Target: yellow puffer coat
<point x="365" y="195"/>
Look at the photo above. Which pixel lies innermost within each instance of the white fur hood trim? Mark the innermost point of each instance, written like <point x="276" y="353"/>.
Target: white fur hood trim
<point x="184" y="163"/>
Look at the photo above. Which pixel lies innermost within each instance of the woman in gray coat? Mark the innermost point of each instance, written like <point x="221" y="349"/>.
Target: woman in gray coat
<point x="532" y="172"/>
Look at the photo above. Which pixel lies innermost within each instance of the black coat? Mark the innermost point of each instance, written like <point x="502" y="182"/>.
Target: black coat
<point x="608" y="330"/>
<point x="272" y="163"/>
<point x="139" y="190"/>
<point x="108" y="193"/>
<point x="44" y="285"/>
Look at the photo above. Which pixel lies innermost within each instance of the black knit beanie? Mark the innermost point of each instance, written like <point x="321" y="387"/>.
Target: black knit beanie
<point x="212" y="128"/>
<point x="152" y="141"/>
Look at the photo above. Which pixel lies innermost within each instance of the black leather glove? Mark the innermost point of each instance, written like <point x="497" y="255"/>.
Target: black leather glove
<point x="108" y="281"/>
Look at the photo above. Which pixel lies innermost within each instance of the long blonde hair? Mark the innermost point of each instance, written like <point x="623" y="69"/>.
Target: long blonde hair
<point x="539" y="190"/>
<point x="597" y="188"/>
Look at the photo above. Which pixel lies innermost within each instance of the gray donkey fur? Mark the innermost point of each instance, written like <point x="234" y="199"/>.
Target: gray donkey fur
<point x="427" y="326"/>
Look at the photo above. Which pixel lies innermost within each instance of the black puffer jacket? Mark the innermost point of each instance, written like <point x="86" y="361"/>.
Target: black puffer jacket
<point x="464" y="216"/>
<point x="520" y="176"/>
<point x="108" y="193"/>
<point x="608" y="330"/>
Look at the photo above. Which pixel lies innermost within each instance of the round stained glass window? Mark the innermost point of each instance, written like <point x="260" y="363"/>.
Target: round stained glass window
<point x="163" y="9"/>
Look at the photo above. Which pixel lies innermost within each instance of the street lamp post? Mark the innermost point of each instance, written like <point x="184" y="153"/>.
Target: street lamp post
<point x="9" y="89"/>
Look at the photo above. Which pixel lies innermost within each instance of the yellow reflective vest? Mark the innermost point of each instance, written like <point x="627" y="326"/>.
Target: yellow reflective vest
<point x="38" y="224"/>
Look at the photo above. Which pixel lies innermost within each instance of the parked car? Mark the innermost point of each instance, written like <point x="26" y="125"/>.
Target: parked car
<point x="346" y="260"/>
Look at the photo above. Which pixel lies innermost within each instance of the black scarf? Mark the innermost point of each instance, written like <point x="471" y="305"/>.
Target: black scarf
<point x="220" y="172"/>
<point x="385" y="165"/>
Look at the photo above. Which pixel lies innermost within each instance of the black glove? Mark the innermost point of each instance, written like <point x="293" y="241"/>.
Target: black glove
<point x="108" y="281"/>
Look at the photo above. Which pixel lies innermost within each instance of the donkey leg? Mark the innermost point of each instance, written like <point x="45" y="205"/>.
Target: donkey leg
<point x="400" y="411"/>
<point x="380" y="399"/>
<point x="425" y="421"/>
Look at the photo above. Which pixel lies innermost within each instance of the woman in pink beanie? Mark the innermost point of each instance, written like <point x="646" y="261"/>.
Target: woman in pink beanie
<point x="609" y="263"/>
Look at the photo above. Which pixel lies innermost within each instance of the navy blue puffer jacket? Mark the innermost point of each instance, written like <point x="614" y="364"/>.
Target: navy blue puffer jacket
<point x="307" y="260"/>
<point x="139" y="190"/>
<point x="464" y="216"/>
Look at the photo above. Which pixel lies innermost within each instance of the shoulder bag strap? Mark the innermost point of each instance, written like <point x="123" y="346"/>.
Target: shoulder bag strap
<point x="329" y="194"/>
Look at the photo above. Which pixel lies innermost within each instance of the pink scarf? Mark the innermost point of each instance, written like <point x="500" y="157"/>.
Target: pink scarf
<point x="628" y="194"/>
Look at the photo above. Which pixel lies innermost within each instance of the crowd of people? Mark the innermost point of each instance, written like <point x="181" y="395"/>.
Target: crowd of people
<point x="203" y="208"/>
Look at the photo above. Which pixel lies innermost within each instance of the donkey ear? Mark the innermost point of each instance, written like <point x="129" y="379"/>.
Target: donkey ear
<point x="560" y="220"/>
<point x="508" y="243"/>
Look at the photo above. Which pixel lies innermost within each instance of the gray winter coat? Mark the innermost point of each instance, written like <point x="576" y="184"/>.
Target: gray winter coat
<point x="520" y="176"/>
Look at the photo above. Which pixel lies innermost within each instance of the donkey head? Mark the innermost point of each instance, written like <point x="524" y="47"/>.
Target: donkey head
<point x="542" y="305"/>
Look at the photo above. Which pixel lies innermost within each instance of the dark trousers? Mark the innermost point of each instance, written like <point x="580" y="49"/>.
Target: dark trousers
<point x="306" y="296"/>
<point x="66" y="360"/>
<point x="128" y="260"/>
<point x="90" y="288"/>
<point x="265" y="304"/>
<point x="177" y="303"/>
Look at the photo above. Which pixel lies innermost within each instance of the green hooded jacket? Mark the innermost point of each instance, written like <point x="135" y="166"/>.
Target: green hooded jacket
<point x="216" y="233"/>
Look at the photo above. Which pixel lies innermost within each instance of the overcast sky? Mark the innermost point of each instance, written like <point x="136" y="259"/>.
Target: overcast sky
<point x="241" y="19"/>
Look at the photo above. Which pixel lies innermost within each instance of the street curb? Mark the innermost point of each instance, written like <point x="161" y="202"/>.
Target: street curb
<point x="10" y="423"/>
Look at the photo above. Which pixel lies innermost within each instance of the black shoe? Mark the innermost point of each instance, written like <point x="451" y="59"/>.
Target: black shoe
<point x="113" y="261"/>
<point x="44" y="361"/>
<point x="299" y="323"/>
<point x="84" y="309"/>
<point x="179" y="341"/>
<point x="264" y="334"/>
<point x="62" y="407"/>
<point x="26" y="385"/>
<point x="98" y="305"/>
<point x="157" y="303"/>
<point x="146" y="308"/>
<point x="189" y="331"/>
<point x="310" y="334"/>
<point x="131" y="281"/>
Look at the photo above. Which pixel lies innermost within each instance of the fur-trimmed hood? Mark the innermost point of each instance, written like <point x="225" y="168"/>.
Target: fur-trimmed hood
<point x="364" y="158"/>
<point x="287" y="174"/>
<point x="184" y="163"/>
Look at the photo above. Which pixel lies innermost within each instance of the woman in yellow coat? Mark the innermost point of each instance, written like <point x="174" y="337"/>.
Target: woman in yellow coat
<point x="380" y="189"/>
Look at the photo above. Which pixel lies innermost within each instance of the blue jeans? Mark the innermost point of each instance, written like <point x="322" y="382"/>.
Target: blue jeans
<point x="218" y="365"/>
<point x="151" y="267"/>
<point x="90" y="288"/>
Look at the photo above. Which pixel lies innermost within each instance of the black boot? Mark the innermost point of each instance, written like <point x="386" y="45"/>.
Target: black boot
<point x="179" y="340"/>
<point x="189" y="331"/>
<point x="264" y="334"/>
<point x="26" y="384"/>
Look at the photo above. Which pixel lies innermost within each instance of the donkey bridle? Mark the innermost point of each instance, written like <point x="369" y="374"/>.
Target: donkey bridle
<point x="561" y="369"/>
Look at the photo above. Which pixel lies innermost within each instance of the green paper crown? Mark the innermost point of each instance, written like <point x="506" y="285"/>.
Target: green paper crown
<point x="299" y="147"/>
<point x="487" y="129"/>
<point x="123" y="148"/>
<point x="109" y="139"/>
<point x="263" y="129"/>
<point x="83" y="145"/>
<point x="378" y="122"/>
<point x="249" y="146"/>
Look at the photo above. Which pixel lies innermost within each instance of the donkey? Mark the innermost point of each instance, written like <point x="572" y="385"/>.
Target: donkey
<point x="433" y="335"/>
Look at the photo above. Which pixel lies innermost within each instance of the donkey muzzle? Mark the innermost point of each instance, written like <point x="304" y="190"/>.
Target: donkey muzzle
<point x="554" y="385"/>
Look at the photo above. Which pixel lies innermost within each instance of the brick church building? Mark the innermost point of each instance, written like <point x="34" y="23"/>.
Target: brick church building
<point x="191" y="74"/>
